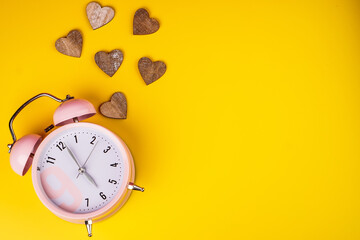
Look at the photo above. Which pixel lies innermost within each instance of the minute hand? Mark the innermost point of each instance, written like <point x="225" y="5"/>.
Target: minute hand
<point x="80" y="168"/>
<point x="72" y="156"/>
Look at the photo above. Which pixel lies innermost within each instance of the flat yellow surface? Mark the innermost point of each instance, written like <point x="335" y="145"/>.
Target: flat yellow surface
<point x="252" y="133"/>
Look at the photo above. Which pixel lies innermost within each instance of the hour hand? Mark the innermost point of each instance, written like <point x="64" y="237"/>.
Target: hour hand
<point x="90" y="179"/>
<point x="81" y="169"/>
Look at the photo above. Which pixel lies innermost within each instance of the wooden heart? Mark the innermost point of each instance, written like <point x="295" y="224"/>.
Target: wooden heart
<point x="151" y="71"/>
<point x="99" y="16"/>
<point x="109" y="62"/>
<point x="71" y="45"/>
<point x="143" y="24"/>
<point x="116" y="107"/>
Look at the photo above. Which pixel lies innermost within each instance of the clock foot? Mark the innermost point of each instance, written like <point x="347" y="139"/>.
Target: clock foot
<point x="132" y="186"/>
<point x="88" y="224"/>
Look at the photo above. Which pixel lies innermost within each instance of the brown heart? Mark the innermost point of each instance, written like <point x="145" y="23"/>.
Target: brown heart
<point x="109" y="62"/>
<point x="151" y="71"/>
<point x="143" y="24"/>
<point x="99" y="16"/>
<point x="70" y="45"/>
<point x="116" y="107"/>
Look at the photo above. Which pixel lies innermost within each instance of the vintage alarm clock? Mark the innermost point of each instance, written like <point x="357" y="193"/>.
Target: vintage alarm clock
<point x="82" y="172"/>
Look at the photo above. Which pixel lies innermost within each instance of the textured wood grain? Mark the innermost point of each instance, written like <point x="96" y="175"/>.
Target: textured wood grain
<point x="151" y="71"/>
<point x="109" y="62"/>
<point x="143" y="24"/>
<point x="71" y="45"/>
<point x="99" y="16"/>
<point x="116" y="107"/>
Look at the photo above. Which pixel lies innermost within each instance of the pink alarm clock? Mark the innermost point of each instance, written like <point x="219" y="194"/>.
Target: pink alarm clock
<point x="82" y="172"/>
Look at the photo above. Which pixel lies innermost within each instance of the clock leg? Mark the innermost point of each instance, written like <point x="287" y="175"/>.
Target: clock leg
<point x="132" y="186"/>
<point x="88" y="224"/>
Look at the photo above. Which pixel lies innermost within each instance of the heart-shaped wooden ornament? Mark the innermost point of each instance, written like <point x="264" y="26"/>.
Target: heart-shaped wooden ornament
<point x="151" y="71"/>
<point x="116" y="107"/>
<point x="71" y="45"/>
<point x="109" y="62"/>
<point x="99" y="16"/>
<point x="143" y="24"/>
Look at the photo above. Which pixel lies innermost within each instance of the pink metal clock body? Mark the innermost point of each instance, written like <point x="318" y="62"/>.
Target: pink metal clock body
<point x="82" y="172"/>
<point x="47" y="194"/>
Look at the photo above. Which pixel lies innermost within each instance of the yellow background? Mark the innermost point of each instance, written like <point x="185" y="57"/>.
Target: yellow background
<point x="252" y="133"/>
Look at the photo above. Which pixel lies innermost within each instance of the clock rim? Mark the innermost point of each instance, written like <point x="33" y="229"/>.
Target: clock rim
<point x="118" y="200"/>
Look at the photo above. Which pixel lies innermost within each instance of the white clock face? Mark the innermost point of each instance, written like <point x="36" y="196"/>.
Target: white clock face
<point x="80" y="169"/>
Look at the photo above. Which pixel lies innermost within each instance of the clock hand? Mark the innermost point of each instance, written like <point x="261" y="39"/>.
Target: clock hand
<point x="90" y="154"/>
<point x="72" y="155"/>
<point x="81" y="169"/>
<point x="87" y="158"/>
<point x="90" y="178"/>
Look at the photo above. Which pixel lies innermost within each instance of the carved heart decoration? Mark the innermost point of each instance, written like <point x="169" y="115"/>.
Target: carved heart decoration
<point x="71" y="45"/>
<point x="151" y="71"/>
<point x="143" y="24"/>
<point x="109" y="62"/>
<point x="99" y="16"/>
<point x="116" y="107"/>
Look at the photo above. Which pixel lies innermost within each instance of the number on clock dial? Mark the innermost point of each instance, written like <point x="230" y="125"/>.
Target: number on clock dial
<point x="102" y="166"/>
<point x="102" y="195"/>
<point x="112" y="181"/>
<point x="107" y="149"/>
<point x="61" y="146"/>
<point x="51" y="160"/>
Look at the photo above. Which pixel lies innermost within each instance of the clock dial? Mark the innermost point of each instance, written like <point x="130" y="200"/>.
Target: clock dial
<point x="80" y="169"/>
